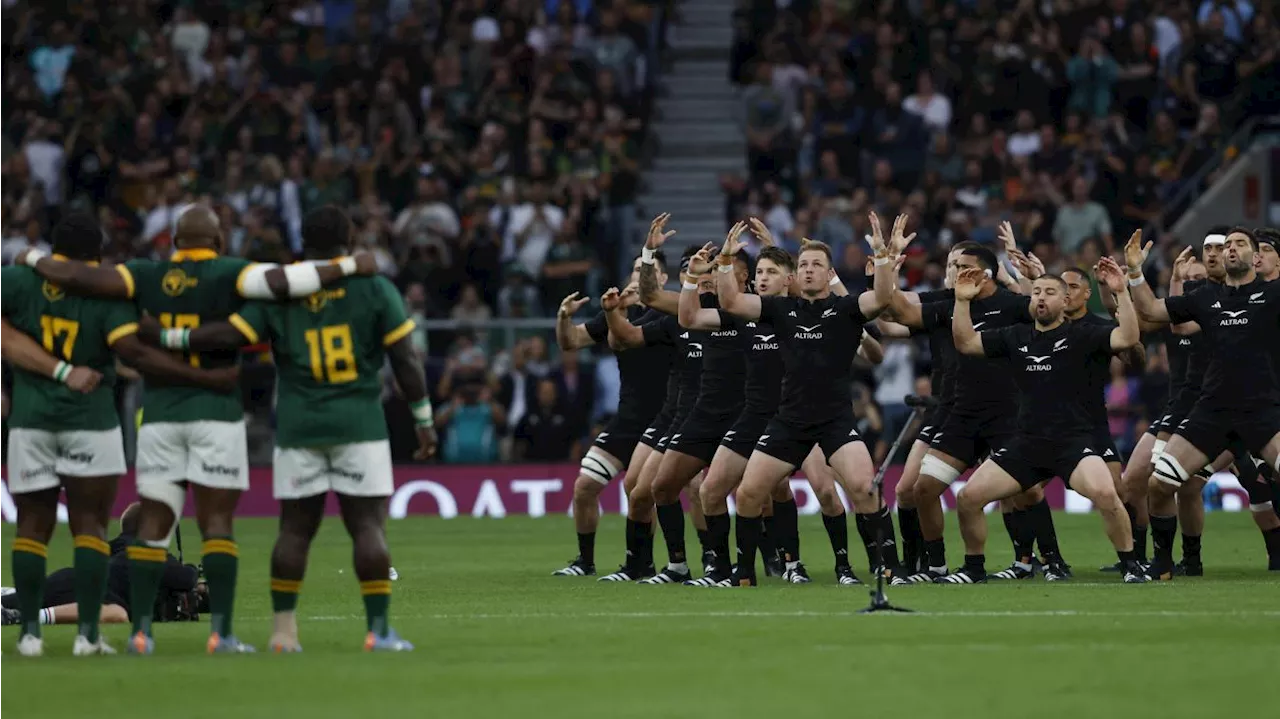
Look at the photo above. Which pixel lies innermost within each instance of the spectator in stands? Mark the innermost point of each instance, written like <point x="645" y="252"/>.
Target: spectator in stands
<point x="1081" y="218"/>
<point x="546" y="433"/>
<point x="471" y="422"/>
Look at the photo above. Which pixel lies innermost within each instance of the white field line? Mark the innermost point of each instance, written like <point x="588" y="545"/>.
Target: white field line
<point x="806" y="614"/>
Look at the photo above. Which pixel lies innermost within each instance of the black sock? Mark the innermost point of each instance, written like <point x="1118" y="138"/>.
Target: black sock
<point x="704" y="539"/>
<point x="671" y="519"/>
<point x="639" y="545"/>
<point x="587" y="547"/>
<point x="1021" y="533"/>
<point x="1140" y="542"/>
<point x="1191" y="546"/>
<point x="1271" y="538"/>
<point x="888" y="541"/>
<point x="718" y="540"/>
<point x="786" y="529"/>
<point x="935" y="552"/>
<point x="867" y="531"/>
<point x="1125" y="557"/>
<point x="748" y="541"/>
<point x="1162" y="531"/>
<point x="976" y="564"/>
<point x="768" y="542"/>
<point x="838" y="532"/>
<point x="632" y="537"/>
<point x="912" y="541"/>
<point x="1041" y="519"/>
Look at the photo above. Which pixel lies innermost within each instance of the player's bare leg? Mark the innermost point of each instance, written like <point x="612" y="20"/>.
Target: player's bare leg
<point x="299" y="522"/>
<point x="640" y="515"/>
<point x="908" y="515"/>
<point x="1162" y="499"/>
<point x="1092" y="479"/>
<point x="989" y="483"/>
<point x="854" y="470"/>
<point x="720" y="480"/>
<point x="695" y="513"/>
<point x="220" y="557"/>
<point x="147" y="557"/>
<point x="1134" y="481"/>
<point x="596" y="470"/>
<point x="37" y="517"/>
<point x="937" y="471"/>
<point x="762" y="475"/>
<point x="89" y="501"/>
<point x="366" y="521"/>
<point x="822" y="480"/>
<point x="1021" y="527"/>
<point x="675" y="472"/>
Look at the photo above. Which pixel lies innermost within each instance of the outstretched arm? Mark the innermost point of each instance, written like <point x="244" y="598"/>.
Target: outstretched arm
<point x="622" y="334"/>
<point x="155" y="362"/>
<point x="1145" y="302"/>
<point x="968" y="340"/>
<point x="732" y="299"/>
<point x="114" y="282"/>
<point x="409" y="374"/>
<point x="651" y="292"/>
<point x="1127" y="333"/>
<point x="568" y="335"/>
<point x="870" y="349"/>
<point x="692" y="314"/>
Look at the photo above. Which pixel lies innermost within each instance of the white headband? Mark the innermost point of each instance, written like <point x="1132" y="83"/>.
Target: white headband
<point x="1215" y="239"/>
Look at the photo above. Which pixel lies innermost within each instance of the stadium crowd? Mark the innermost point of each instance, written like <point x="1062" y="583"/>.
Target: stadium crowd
<point x="490" y="153"/>
<point x="1078" y="121"/>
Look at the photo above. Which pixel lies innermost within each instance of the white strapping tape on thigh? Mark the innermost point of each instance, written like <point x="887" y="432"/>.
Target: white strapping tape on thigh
<point x="1157" y="448"/>
<point x="1170" y="471"/>
<point x="597" y="465"/>
<point x="931" y="466"/>
<point x="171" y="494"/>
<point x="1260" y="508"/>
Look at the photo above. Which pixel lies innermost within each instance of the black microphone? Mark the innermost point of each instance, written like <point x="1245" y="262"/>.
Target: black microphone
<point x="914" y="401"/>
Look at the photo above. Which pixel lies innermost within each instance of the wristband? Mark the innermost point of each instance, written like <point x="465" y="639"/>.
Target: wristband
<point x="31" y="257"/>
<point x="689" y="286"/>
<point x="646" y="256"/>
<point x="834" y="281"/>
<point x="1135" y="281"/>
<point x="725" y="268"/>
<point x="348" y="265"/>
<point x="422" y="412"/>
<point x="175" y="339"/>
<point x="61" y="372"/>
<point x="881" y="261"/>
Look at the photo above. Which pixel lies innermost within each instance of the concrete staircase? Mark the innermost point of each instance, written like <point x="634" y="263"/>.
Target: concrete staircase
<point x="699" y="133"/>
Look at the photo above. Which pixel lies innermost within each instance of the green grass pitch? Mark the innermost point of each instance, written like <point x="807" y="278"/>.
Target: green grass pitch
<point x="497" y="637"/>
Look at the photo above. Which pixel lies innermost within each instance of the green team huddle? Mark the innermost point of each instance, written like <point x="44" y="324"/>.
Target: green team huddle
<point x="332" y="326"/>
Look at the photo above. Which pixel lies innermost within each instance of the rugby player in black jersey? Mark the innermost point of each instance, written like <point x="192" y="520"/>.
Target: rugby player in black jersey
<point x="643" y="375"/>
<point x="1052" y="365"/>
<point x="819" y="334"/>
<point x="1238" y="320"/>
<point x="774" y="277"/>
<point x="983" y="415"/>
<point x="1262" y="500"/>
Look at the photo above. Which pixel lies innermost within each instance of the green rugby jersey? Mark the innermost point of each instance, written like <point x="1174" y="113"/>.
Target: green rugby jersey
<point x="329" y="349"/>
<point x="192" y="288"/>
<point x="79" y="330"/>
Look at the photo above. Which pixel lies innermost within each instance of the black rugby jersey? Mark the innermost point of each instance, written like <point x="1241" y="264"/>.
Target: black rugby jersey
<point x="819" y="339"/>
<point x="942" y="375"/>
<point x="724" y="363"/>
<point x="1240" y="328"/>
<point x="1054" y="373"/>
<point x="763" y="386"/>
<point x="979" y="384"/>
<point x="643" y="371"/>
<point x="1099" y="371"/>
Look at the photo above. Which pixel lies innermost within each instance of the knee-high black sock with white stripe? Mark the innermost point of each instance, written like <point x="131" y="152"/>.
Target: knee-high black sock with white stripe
<point x="748" y="532"/>
<point x="838" y="533"/>
<point x="786" y="529"/>
<point x="912" y="540"/>
<point x="1041" y="519"/>
<point x="1163" y="530"/>
<point x="718" y="540"/>
<point x="671" y="518"/>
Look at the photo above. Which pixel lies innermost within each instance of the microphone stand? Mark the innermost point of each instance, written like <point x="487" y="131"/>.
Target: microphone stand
<point x="879" y="602"/>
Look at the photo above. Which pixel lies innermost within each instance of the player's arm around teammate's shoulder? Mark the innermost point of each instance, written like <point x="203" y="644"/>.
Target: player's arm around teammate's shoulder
<point x="26" y="353"/>
<point x="261" y="281"/>
<point x="155" y="362"/>
<point x="78" y="277"/>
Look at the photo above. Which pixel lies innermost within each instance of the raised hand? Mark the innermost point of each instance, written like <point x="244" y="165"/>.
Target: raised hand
<point x="1109" y="273"/>
<point x="1135" y="253"/>
<point x="611" y="300"/>
<point x="1005" y="233"/>
<point x="700" y="262"/>
<point x="571" y="304"/>
<point x="630" y="295"/>
<point x="876" y="238"/>
<point x="657" y="236"/>
<point x="731" y="242"/>
<point x="761" y="231"/>
<point x="899" y="240"/>
<point x="1180" y="264"/>
<point x="969" y="282"/>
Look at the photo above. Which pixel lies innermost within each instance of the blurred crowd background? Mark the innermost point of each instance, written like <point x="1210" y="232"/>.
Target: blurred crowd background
<point x="491" y="153"/>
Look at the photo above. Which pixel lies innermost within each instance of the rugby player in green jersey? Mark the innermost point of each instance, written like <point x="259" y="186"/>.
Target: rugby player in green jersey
<point x="188" y="434"/>
<point x="331" y="435"/>
<point x="63" y="437"/>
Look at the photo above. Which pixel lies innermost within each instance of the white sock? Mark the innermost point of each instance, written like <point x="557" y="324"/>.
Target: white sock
<point x="46" y="616"/>
<point x="678" y="566"/>
<point x="793" y="565"/>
